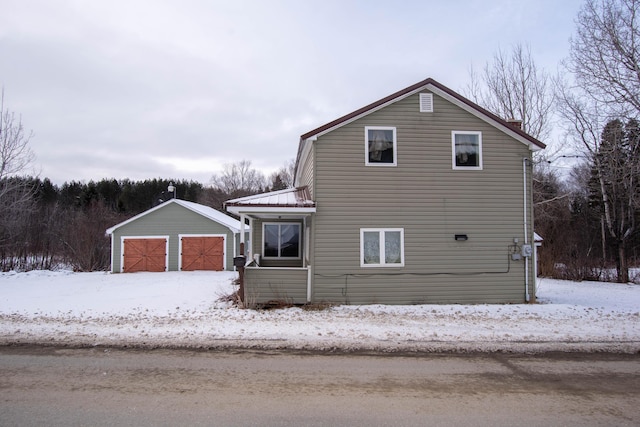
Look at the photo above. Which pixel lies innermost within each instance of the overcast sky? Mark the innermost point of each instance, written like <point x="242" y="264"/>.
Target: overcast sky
<point x="175" y="89"/>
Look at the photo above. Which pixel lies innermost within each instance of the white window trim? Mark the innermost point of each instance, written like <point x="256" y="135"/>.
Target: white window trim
<point x="366" y="146"/>
<point x="453" y="150"/>
<point x="382" y="232"/>
<point x="264" y="224"/>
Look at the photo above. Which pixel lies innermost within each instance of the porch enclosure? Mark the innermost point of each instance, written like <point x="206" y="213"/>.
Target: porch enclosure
<point x="279" y="246"/>
<point x="280" y="268"/>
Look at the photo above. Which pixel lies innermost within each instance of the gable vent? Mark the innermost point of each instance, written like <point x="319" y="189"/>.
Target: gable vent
<point x="426" y="103"/>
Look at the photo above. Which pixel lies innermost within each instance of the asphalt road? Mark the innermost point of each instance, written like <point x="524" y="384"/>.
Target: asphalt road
<point x="115" y="387"/>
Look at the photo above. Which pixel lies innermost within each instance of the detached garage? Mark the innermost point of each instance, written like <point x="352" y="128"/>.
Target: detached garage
<point x="175" y="236"/>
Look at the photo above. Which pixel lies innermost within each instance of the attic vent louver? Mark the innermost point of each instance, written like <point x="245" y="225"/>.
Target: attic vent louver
<point x="426" y="103"/>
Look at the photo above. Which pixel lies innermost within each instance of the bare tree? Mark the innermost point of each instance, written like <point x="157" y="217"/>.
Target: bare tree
<point x="213" y="197"/>
<point x="15" y="192"/>
<point x="614" y="153"/>
<point x="283" y="177"/>
<point x="618" y="173"/>
<point x="513" y="87"/>
<point x="604" y="61"/>
<point x="15" y="154"/>
<point x="605" y="54"/>
<point x="82" y="237"/>
<point x="239" y="179"/>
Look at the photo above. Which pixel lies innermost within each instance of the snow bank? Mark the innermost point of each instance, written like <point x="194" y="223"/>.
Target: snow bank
<point x="182" y="309"/>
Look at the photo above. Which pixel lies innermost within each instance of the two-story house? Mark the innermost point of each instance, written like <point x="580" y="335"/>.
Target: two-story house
<point x="420" y="197"/>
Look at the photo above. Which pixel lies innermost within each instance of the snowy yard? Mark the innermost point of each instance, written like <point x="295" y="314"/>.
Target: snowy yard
<point x="181" y="309"/>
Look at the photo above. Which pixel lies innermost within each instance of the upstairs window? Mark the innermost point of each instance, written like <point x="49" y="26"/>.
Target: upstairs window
<point x="380" y="146"/>
<point x="281" y="240"/>
<point x="381" y="247"/>
<point x="467" y="150"/>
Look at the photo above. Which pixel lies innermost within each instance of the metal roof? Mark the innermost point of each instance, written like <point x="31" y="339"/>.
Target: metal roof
<point x="293" y="199"/>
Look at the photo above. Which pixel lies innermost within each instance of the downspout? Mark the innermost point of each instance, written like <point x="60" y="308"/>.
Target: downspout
<point x="526" y="231"/>
<point x="236" y="236"/>
<point x="308" y="283"/>
<point x="305" y="257"/>
<point x="249" y="250"/>
<point x="113" y="246"/>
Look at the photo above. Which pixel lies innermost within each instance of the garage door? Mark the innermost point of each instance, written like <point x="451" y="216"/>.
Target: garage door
<point x="145" y="255"/>
<point x="202" y="253"/>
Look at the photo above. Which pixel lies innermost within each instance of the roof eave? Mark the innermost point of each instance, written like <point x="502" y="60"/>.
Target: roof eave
<point x="367" y="109"/>
<point x="435" y="87"/>
<point x="487" y="116"/>
<point x="248" y="209"/>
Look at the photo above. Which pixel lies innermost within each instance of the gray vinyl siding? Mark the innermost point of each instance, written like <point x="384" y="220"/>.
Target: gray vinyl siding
<point x="430" y="201"/>
<point x="275" y="284"/>
<point x="171" y="220"/>
<point x="308" y="171"/>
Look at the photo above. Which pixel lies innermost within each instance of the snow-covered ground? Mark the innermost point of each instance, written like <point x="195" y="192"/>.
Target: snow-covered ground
<point x="182" y="309"/>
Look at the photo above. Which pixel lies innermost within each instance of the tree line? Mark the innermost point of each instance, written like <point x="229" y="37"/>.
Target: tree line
<point x="43" y="225"/>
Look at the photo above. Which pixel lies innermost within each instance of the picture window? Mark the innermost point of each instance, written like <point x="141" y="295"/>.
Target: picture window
<point x="281" y="240"/>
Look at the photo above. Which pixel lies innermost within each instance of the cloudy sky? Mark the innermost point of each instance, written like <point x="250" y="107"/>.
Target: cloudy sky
<point x="177" y="88"/>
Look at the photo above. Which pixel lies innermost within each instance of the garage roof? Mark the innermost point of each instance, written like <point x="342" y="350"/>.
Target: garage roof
<point x="205" y="211"/>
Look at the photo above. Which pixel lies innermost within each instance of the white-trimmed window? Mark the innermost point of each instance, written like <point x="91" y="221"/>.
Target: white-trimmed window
<point x="380" y="146"/>
<point x="281" y="240"/>
<point x="382" y="247"/>
<point x="466" y="150"/>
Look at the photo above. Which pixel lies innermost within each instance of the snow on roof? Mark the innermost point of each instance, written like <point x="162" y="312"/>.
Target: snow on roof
<point x="205" y="211"/>
<point x="209" y="212"/>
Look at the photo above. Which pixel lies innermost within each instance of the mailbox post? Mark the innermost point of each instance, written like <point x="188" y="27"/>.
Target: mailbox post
<point x="239" y="262"/>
